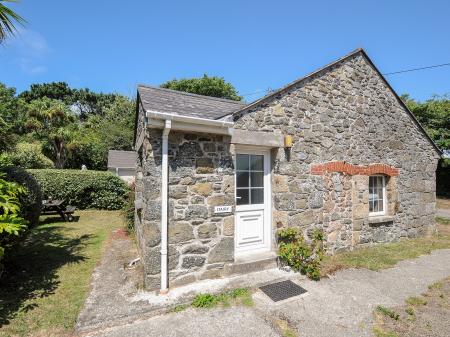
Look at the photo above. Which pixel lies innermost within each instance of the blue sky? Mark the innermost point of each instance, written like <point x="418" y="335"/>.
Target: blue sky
<point x="111" y="46"/>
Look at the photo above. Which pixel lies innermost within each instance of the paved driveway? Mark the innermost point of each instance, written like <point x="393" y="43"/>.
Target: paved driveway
<point x="339" y="306"/>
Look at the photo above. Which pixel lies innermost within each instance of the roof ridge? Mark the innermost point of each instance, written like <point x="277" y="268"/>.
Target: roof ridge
<point x="226" y="100"/>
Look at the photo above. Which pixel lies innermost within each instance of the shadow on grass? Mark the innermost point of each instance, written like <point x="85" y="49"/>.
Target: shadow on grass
<point x="50" y="219"/>
<point x="31" y="268"/>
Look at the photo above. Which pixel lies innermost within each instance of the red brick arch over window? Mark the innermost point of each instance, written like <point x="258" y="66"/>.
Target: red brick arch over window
<point x="350" y="169"/>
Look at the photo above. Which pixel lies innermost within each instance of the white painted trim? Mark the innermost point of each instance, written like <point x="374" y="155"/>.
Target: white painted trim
<point x="267" y="199"/>
<point x="191" y="127"/>
<point x="190" y="124"/>
<point x="384" y="212"/>
<point x="164" y="205"/>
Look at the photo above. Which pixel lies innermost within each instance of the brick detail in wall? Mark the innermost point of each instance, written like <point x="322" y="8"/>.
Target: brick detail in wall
<point x="350" y="169"/>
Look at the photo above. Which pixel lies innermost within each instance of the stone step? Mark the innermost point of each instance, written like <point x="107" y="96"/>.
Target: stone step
<point x="251" y="264"/>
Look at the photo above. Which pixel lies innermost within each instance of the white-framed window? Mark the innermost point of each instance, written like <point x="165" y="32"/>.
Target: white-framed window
<point x="377" y="195"/>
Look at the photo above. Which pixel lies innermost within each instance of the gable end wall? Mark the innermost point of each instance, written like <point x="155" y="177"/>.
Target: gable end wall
<point x="347" y="113"/>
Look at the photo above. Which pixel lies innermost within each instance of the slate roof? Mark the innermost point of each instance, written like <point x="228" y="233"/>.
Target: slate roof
<point x="186" y="104"/>
<point x="123" y="159"/>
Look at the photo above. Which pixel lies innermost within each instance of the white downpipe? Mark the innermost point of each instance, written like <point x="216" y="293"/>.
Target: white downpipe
<point x="164" y="205"/>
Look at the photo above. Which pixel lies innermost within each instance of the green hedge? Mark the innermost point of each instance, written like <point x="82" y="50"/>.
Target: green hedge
<point x="84" y="189"/>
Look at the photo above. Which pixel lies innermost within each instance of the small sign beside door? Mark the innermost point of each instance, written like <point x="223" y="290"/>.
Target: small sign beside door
<point x="222" y="209"/>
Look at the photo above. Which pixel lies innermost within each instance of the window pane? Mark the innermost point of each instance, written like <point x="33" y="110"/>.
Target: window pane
<point x="371" y="183"/>
<point x="242" y="179"/>
<point x="380" y="193"/>
<point x="376" y="197"/>
<point x="242" y="197"/>
<point x="257" y="179"/>
<point x="257" y="162"/>
<point x="242" y="161"/>
<point x="257" y="196"/>
<point x="375" y="206"/>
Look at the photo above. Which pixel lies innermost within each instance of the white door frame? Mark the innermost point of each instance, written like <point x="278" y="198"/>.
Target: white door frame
<point x="258" y="150"/>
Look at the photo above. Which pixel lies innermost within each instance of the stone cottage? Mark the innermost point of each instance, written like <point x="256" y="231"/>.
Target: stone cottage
<point x="336" y="150"/>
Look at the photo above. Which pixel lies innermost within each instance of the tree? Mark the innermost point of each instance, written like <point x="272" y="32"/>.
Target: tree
<point x="11" y="117"/>
<point x="81" y="101"/>
<point x="208" y="86"/>
<point x="49" y="121"/>
<point x="97" y="135"/>
<point x="54" y="90"/>
<point x="434" y="115"/>
<point x="86" y="102"/>
<point x="7" y="20"/>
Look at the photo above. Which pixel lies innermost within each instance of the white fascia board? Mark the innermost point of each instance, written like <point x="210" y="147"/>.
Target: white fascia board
<point x="192" y="124"/>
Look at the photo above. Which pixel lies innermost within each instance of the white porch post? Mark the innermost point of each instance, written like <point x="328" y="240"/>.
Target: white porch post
<point x="164" y="205"/>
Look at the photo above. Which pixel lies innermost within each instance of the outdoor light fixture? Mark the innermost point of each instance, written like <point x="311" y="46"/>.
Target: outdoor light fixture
<point x="287" y="141"/>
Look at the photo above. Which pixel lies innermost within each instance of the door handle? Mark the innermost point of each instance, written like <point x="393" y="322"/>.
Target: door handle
<point x="238" y="197"/>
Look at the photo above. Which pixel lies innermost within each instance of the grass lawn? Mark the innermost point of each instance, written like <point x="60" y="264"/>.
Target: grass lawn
<point x="47" y="278"/>
<point x="387" y="255"/>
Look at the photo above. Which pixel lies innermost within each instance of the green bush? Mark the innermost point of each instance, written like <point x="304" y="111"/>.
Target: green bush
<point x="84" y="189"/>
<point x="31" y="202"/>
<point x="30" y="156"/>
<point x="298" y="254"/>
<point x="11" y="223"/>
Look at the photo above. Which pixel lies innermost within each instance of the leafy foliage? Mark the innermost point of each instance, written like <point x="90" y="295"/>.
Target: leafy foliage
<point x="29" y="155"/>
<point x="74" y="126"/>
<point x="92" y="140"/>
<point x="48" y="120"/>
<point x="8" y="18"/>
<point x="82" y="101"/>
<point x="204" y="301"/>
<point x="84" y="189"/>
<point x="388" y="312"/>
<point x="236" y="296"/>
<point x="206" y="85"/>
<point x="11" y="223"/>
<point x="31" y="202"/>
<point x="298" y="254"/>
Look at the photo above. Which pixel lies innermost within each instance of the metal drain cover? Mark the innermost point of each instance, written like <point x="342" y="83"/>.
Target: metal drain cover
<point x="282" y="290"/>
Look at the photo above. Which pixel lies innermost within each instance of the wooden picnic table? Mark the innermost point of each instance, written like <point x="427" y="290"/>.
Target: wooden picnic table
<point x="56" y="206"/>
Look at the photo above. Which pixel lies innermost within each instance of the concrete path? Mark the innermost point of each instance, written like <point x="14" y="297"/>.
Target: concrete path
<point x="335" y="307"/>
<point x="444" y="213"/>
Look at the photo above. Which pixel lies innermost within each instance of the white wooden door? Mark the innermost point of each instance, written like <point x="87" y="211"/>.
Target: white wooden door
<point x="253" y="195"/>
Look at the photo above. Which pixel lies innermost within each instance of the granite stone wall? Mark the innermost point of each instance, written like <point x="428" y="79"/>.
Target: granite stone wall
<point x="346" y="113"/>
<point x="346" y="125"/>
<point x="201" y="176"/>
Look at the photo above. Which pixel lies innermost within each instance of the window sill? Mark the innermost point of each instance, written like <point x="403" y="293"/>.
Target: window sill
<point x="380" y="219"/>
